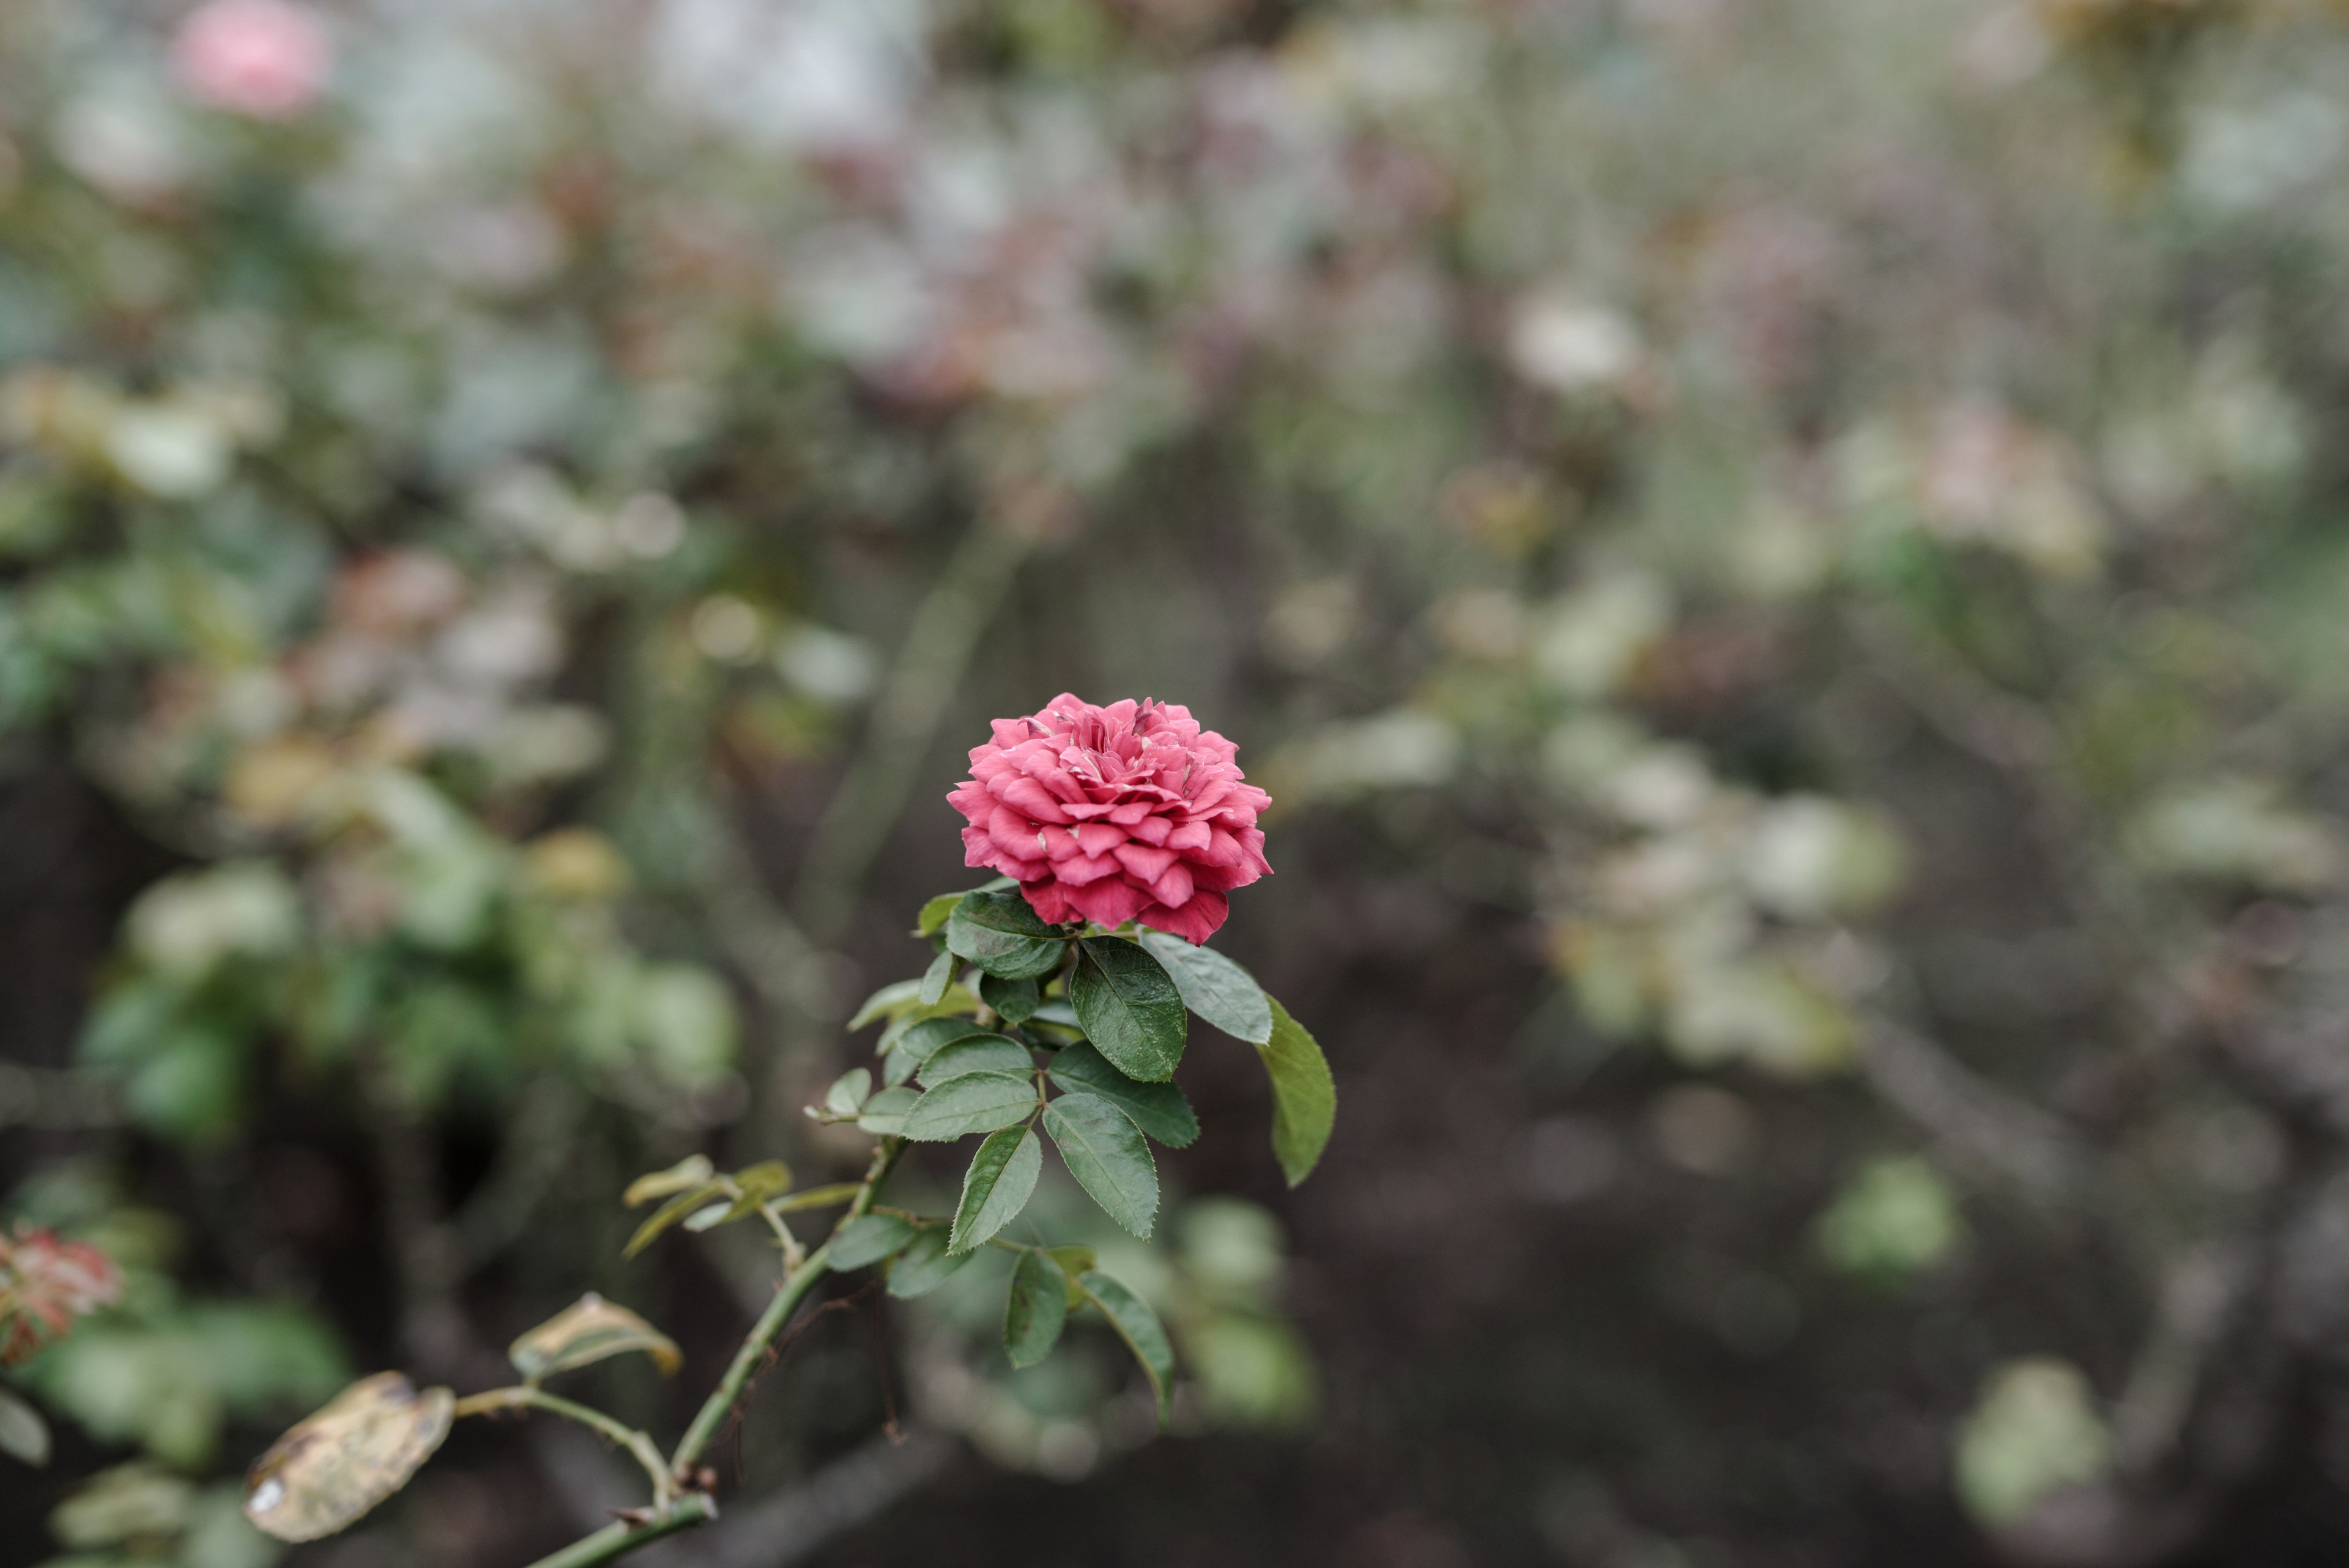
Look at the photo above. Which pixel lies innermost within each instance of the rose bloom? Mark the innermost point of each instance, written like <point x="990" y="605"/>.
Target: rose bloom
<point x="265" y="58"/>
<point x="1130" y="812"/>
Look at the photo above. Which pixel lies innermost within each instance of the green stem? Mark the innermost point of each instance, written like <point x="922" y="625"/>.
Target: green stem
<point x="796" y="1285"/>
<point x="635" y="1442"/>
<point x="619" y="1539"/>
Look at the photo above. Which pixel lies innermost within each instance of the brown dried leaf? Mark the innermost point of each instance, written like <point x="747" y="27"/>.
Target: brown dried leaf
<point x="357" y="1450"/>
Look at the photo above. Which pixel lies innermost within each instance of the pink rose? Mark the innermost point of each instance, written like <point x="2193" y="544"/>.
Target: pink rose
<point x="265" y="58"/>
<point x="1130" y="812"/>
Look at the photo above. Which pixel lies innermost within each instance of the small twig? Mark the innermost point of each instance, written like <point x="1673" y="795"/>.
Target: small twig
<point x="945" y="629"/>
<point x="638" y="1444"/>
<point x="2016" y="1141"/>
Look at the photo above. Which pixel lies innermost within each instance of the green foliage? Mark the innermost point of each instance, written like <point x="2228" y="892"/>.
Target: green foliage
<point x="1000" y="934"/>
<point x="972" y="1103"/>
<point x="23" y="1435"/>
<point x="1036" y="1309"/>
<point x="870" y="1239"/>
<point x="169" y="1375"/>
<point x="1139" y="1327"/>
<point x="2035" y="1430"/>
<point x="1128" y="1008"/>
<point x="1215" y="988"/>
<point x="1304" y="1095"/>
<point x="926" y="1262"/>
<point x="1158" y="1109"/>
<point x="136" y="1516"/>
<point x="974" y="1054"/>
<point x="1893" y="1220"/>
<point x="1104" y="1151"/>
<point x="996" y="1188"/>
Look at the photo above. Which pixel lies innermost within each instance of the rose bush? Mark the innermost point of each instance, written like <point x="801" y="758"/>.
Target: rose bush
<point x="1130" y="812"/>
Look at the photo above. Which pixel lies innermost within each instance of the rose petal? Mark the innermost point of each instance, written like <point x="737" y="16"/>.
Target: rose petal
<point x="1100" y="838"/>
<point x="1111" y="901"/>
<point x="1174" y="888"/>
<point x="1144" y="862"/>
<point x="1194" y="922"/>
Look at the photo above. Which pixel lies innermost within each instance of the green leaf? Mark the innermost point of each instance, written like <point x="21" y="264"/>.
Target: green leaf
<point x="693" y="1170"/>
<point x="976" y="1102"/>
<point x="1104" y="1151"/>
<point x="1215" y="988"/>
<point x="957" y="1004"/>
<point x="669" y="1214"/>
<point x="1130" y="1007"/>
<point x="1037" y="1307"/>
<point x="868" y="1239"/>
<point x="711" y="1216"/>
<point x="1139" y="1327"/>
<point x="931" y="1033"/>
<point x="1056" y="1020"/>
<point x="976" y="1054"/>
<point x="1074" y="1260"/>
<point x="848" y="1092"/>
<point x="589" y="1331"/>
<point x="885" y="1113"/>
<point x="933" y="918"/>
<point x="925" y="1264"/>
<point x="24" y="1437"/>
<point x="918" y="1041"/>
<point x="1000" y="934"/>
<point x="1014" y="1001"/>
<point x="761" y="1183"/>
<point x="1001" y="1176"/>
<point x="768" y="1179"/>
<point x="1304" y="1097"/>
<point x="1158" y="1109"/>
<point x="936" y="978"/>
<point x="887" y="1002"/>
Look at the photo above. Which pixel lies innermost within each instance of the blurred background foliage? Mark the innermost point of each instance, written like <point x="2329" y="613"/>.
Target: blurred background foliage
<point x="1782" y="561"/>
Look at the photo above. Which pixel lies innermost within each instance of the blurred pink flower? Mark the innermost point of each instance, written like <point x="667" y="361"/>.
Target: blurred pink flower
<point x="45" y="1284"/>
<point x="266" y="58"/>
<point x="1130" y="812"/>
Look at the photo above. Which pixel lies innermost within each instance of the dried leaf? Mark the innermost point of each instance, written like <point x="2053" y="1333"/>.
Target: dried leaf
<point x="590" y="1330"/>
<point x="362" y="1447"/>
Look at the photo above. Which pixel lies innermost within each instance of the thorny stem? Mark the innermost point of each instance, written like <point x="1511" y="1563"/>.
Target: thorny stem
<point x="678" y="1502"/>
<point x="796" y="1285"/>
<point x="637" y="1443"/>
<point x="620" y="1539"/>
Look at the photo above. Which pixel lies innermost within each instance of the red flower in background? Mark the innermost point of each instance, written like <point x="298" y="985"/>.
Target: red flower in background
<point x="45" y="1284"/>
<point x="1130" y="812"/>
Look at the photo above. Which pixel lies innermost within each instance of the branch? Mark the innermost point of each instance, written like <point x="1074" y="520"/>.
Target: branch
<point x="2018" y="1142"/>
<point x="619" y="1539"/>
<point x="946" y="628"/>
<point x="796" y="1522"/>
<point x="796" y="1285"/>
